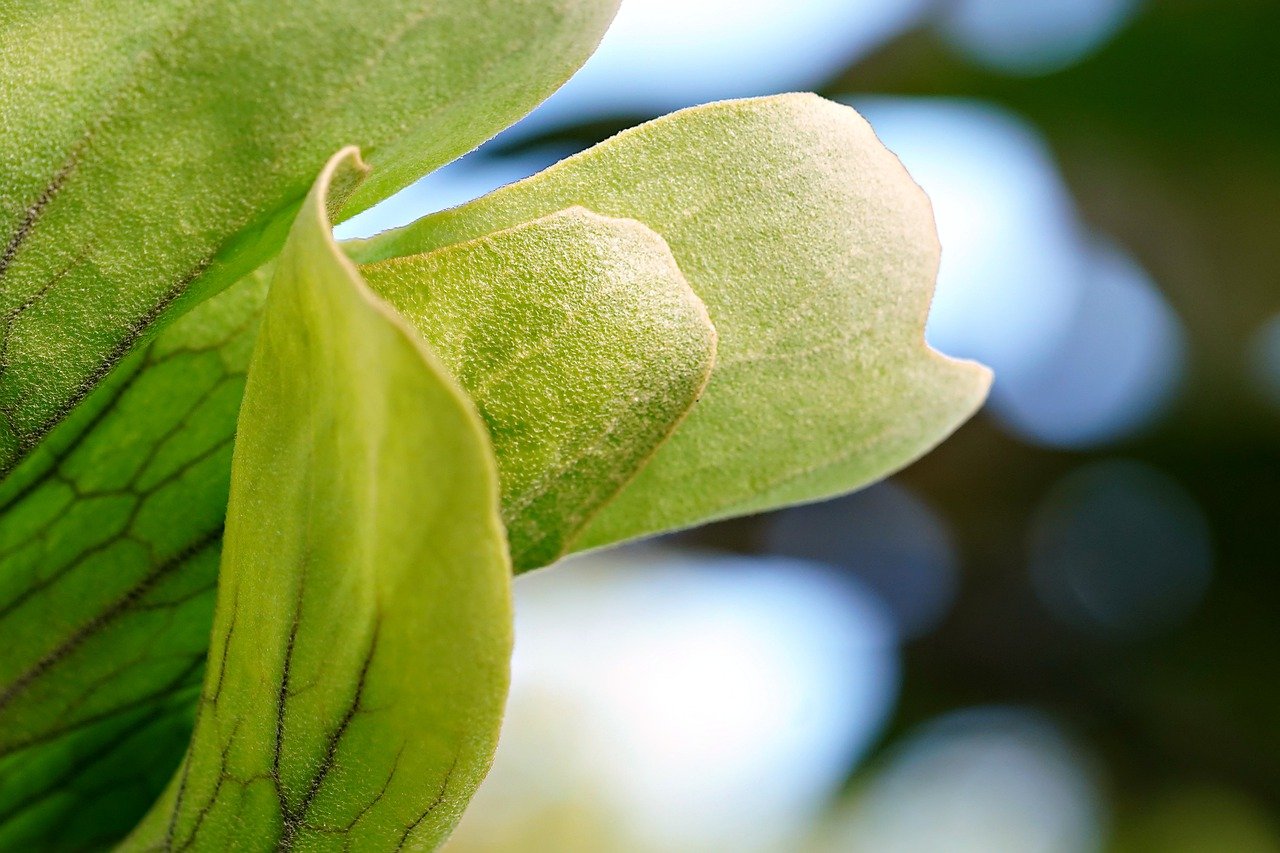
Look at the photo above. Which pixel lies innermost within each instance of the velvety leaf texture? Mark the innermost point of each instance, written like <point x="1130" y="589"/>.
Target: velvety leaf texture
<point x="114" y="616"/>
<point x="363" y="628"/>
<point x="815" y="254"/>
<point x="580" y="343"/>
<point x="155" y="152"/>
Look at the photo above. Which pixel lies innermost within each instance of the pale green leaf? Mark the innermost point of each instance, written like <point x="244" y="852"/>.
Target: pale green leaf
<point x="363" y="629"/>
<point x="581" y="345"/>
<point x="155" y="152"/>
<point x="815" y="254"/>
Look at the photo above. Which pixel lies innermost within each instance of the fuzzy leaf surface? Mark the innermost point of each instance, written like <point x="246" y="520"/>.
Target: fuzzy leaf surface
<point x="815" y="254"/>
<point x="582" y="347"/>
<point x="576" y="336"/>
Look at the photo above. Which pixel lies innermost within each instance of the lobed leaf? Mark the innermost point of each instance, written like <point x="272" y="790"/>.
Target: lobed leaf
<point x="839" y="373"/>
<point x="815" y="254"/>
<point x="153" y="153"/>
<point x="363" y="628"/>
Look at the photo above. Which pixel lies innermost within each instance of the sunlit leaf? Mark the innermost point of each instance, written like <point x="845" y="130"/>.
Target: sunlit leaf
<point x="576" y="409"/>
<point x="815" y="254"/>
<point x="363" y="629"/>
<point x="153" y="153"/>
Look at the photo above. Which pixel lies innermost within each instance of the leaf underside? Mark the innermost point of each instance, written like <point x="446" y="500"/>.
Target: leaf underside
<point x="581" y="345"/>
<point x="595" y="307"/>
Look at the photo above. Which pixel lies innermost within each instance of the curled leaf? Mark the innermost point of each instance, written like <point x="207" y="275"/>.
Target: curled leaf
<point x="363" y="628"/>
<point x="578" y="339"/>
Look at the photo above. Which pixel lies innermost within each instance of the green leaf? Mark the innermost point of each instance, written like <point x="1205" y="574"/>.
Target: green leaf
<point x="109" y="540"/>
<point x="580" y="343"/>
<point x="87" y="790"/>
<point x="363" y="628"/>
<point x="153" y="153"/>
<point x="816" y="256"/>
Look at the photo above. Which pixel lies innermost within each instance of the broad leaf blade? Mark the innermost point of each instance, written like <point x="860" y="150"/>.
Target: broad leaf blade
<point x="816" y="256"/>
<point x="580" y="343"/>
<point x="154" y="153"/>
<point x="363" y="630"/>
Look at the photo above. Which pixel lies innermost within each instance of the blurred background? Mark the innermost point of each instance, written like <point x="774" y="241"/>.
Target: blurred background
<point x="1058" y="632"/>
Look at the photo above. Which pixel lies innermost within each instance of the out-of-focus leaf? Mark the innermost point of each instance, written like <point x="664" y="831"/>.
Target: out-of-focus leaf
<point x="363" y="628"/>
<point x="815" y="254"/>
<point x="581" y="345"/>
<point x="153" y="153"/>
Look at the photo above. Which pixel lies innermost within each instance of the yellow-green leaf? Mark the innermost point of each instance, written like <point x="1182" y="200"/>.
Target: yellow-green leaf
<point x="106" y="615"/>
<point x="363" y="628"/>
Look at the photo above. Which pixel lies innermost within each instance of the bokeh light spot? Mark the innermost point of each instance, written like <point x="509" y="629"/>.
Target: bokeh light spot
<point x="1264" y="360"/>
<point x="661" y="55"/>
<point x="1033" y="37"/>
<point x="1010" y="276"/>
<point x="709" y="702"/>
<point x="1117" y="369"/>
<point x="984" y="780"/>
<point x="888" y="539"/>
<point x="1119" y="547"/>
